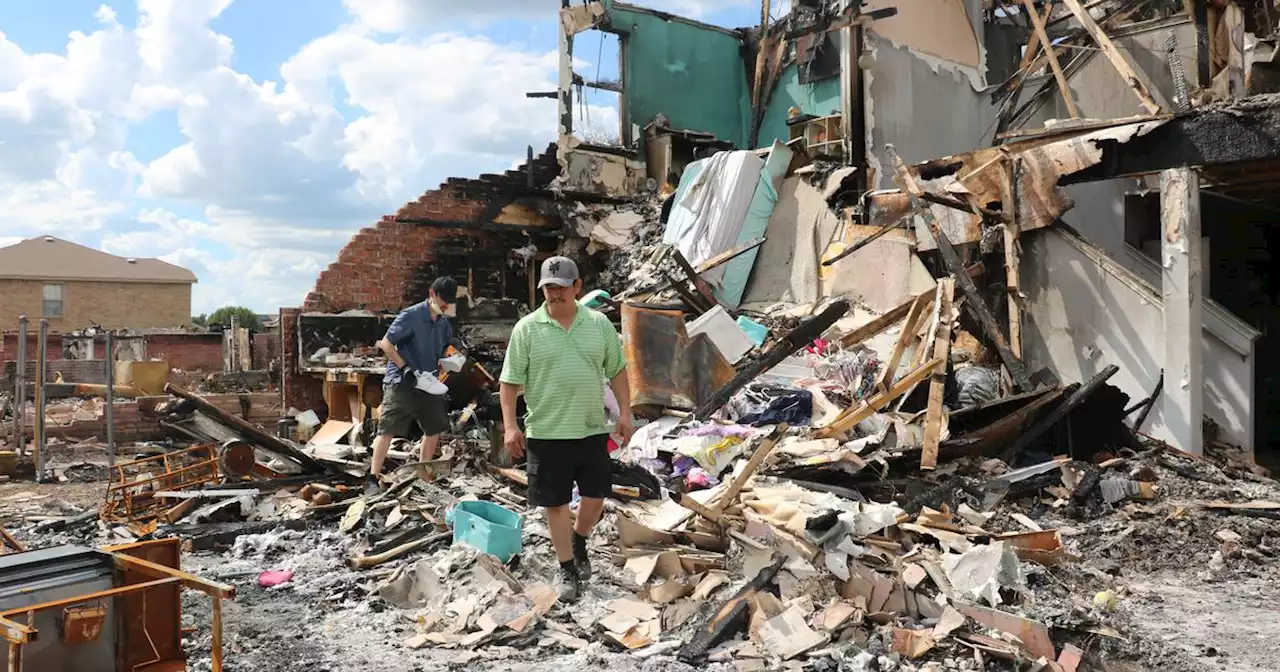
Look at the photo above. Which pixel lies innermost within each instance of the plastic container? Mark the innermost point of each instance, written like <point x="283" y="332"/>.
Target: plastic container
<point x="489" y="527"/>
<point x="754" y="330"/>
<point x="594" y="298"/>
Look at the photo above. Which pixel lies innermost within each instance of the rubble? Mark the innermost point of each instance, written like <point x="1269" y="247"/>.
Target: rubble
<point x="848" y="457"/>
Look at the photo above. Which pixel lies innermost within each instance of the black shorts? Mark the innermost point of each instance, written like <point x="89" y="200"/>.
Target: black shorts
<point x="556" y="464"/>
<point x="403" y="405"/>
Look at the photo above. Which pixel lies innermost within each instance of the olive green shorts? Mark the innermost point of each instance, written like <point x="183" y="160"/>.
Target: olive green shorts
<point x="403" y="405"/>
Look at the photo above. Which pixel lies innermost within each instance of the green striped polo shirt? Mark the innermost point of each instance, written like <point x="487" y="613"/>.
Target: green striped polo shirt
<point x="563" y="372"/>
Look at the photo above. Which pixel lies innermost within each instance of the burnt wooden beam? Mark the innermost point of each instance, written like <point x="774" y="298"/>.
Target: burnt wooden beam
<point x="957" y="204"/>
<point x="797" y="338"/>
<point x="251" y="432"/>
<point x="730" y="618"/>
<point x="974" y="303"/>
<point x="1075" y="399"/>
<point x="1246" y="131"/>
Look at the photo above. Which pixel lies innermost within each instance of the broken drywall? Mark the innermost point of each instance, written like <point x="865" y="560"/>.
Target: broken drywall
<point x="581" y="18"/>
<point x="941" y="33"/>
<point x="589" y="171"/>
<point x="1084" y="311"/>
<point x="800" y="230"/>
<point x="923" y="112"/>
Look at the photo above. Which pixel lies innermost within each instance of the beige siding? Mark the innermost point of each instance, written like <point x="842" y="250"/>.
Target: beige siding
<point x="113" y="305"/>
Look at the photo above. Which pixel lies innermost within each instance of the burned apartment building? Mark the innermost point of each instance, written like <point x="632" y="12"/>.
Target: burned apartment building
<point x="1049" y="164"/>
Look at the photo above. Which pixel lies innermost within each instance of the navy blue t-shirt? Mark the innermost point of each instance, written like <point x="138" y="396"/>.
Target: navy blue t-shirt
<point x="420" y="339"/>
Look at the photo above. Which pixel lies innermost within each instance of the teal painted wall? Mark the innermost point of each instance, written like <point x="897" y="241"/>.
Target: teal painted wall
<point x="818" y="98"/>
<point x="692" y="74"/>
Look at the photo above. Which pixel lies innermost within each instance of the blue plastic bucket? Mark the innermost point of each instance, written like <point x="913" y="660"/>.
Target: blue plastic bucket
<point x="489" y="527"/>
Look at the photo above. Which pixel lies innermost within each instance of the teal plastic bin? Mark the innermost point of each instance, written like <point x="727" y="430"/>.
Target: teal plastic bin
<point x="489" y="527"/>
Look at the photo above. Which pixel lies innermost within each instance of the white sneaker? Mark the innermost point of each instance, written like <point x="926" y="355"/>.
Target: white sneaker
<point x="427" y="382"/>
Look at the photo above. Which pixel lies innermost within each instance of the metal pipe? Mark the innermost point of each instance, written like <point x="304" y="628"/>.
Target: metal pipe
<point x="42" y="364"/>
<point x="20" y="374"/>
<point x="111" y="376"/>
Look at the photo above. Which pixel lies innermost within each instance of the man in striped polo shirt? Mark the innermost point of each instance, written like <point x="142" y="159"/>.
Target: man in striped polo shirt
<point x="561" y="355"/>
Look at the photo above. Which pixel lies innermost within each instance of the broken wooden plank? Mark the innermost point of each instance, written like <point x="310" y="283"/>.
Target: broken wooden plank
<point x="1063" y="86"/>
<point x="866" y="241"/>
<point x="1078" y="397"/>
<point x="730" y="618"/>
<point x="1033" y="635"/>
<point x="1009" y="175"/>
<point x="753" y="464"/>
<point x="1118" y="61"/>
<point x="938" y="380"/>
<point x="909" y="329"/>
<point x="696" y="280"/>
<point x="260" y="436"/>
<point x="1044" y="547"/>
<point x="713" y="515"/>
<point x="963" y="206"/>
<point x="891" y="317"/>
<point x="852" y="417"/>
<point x="974" y="302"/>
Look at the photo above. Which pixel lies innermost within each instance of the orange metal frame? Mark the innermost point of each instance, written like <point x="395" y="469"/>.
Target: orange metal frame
<point x="18" y="634"/>
<point x="128" y="501"/>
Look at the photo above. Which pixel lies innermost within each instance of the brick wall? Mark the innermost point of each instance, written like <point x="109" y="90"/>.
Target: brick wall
<point x="381" y="268"/>
<point x="297" y="389"/>
<point x="114" y="305"/>
<point x="136" y="421"/>
<point x="189" y="352"/>
<point x="9" y="344"/>
<point x="266" y="347"/>
<point x="72" y="370"/>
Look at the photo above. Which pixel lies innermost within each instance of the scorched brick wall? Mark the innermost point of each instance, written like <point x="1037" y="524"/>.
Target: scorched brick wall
<point x="376" y="268"/>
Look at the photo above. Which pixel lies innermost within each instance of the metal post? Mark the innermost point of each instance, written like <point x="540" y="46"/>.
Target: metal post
<point x="20" y="385"/>
<point x="42" y="363"/>
<point x="217" y="635"/>
<point x="111" y="382"/>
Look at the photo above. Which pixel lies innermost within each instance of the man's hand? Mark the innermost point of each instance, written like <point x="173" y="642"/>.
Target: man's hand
<point x="626" y="427"/>
<point x="513" y="440"/>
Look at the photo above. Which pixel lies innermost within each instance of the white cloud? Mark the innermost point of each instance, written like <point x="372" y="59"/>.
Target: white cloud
<point x="105" y="14"/>
<point x="399" y="16"/>
<point x="279" y="174"/>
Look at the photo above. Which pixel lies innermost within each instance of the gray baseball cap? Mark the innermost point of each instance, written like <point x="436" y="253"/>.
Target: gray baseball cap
<point x="558" y="271"/>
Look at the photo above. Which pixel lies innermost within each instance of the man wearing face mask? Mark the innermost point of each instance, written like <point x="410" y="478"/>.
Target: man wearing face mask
<point x="414" y="345"/>
<point x="560" y="355"/>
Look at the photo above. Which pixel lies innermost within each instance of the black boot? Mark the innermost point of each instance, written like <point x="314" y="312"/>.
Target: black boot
<point x="580" y="558"/>
<point x="569" y="583"/>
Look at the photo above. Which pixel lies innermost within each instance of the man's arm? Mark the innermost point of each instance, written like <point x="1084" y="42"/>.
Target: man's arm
<point x="515" y="371"/>
<point x="615" y="367"/>
<point x="398" y="332"/>
<point x="622" y="392"/>
<point x="389" y="349"/>
<point x="513" y="438"/>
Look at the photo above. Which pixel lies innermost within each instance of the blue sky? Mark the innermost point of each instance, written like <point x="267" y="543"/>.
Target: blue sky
<point x="249" y="139"/>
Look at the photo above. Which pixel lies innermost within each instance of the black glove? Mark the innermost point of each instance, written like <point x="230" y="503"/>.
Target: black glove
<point x="409" y="376"/>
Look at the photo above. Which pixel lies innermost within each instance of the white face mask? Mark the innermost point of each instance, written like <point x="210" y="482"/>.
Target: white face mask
<point x="439" y="309"/>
